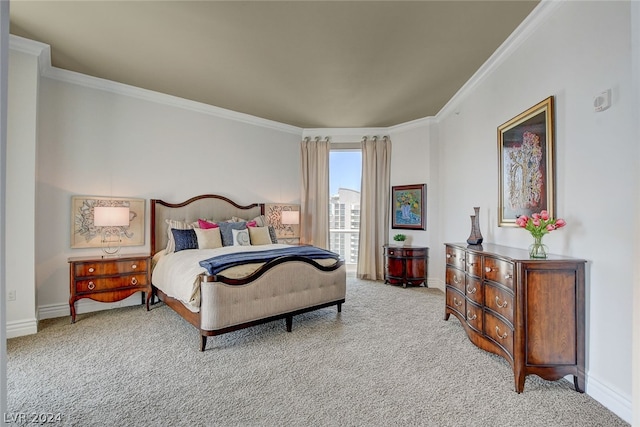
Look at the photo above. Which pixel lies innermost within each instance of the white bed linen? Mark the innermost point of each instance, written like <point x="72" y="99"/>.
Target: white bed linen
<point x="178" y="274"/>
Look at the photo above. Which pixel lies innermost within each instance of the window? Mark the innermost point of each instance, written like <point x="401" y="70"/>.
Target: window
<point x="345" y="173"/>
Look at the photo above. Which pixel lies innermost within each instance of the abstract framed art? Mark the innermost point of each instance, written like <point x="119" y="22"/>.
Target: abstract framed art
<point x="85" y="234"/>
<point x="526" y="162"/>
<point x="274" y="217"/>
<point x="408" y="204"/>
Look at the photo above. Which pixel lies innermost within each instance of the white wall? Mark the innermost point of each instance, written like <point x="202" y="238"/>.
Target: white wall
<point x="635" y="72"/>
<point x="95" y="142"/>
<point x="4" y="78"/>
<point x="21" y="192"/>
<point x="596" y="156"/>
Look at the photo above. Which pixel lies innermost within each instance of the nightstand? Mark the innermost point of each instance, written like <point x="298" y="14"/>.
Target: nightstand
<point x="109" y="279"/>
<point x="406" y="265"/>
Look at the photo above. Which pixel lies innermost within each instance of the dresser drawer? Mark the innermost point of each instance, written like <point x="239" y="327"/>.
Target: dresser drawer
<point x="499" y="332"/>
<point x="456" y="301"/>
<point x="455" y="257"/>
<point x="499" y="300"/>
<point x="474" y="316"/>
<point x="456" y="278"/>
<point x="110" y="283"/>
<point x="91" y="269"/>
<point x="474" y="264"/>
<point x="498" y="271"/>
<point x="474" y="290"/>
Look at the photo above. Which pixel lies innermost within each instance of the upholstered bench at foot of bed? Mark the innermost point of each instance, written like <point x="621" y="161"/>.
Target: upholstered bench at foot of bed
<point x="280" y="293"/>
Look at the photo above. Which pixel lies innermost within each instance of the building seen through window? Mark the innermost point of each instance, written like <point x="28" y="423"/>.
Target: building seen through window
<point x="344" y="205"/>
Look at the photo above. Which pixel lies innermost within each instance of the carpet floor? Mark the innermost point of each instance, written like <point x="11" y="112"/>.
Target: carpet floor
<point x="389" y="359"/>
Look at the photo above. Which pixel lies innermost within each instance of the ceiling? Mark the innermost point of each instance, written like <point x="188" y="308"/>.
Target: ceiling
<point x="309" y="64"/>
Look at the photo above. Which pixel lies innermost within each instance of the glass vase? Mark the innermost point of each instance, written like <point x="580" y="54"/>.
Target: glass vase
<point x="538" y="249"/>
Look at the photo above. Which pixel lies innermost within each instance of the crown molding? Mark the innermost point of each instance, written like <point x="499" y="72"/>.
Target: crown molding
<point x="527" y="27"/>
<point x="34" y="48"/>
<point x="43" y="51"/>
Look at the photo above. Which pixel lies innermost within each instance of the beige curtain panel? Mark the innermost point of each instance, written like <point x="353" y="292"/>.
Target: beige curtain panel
<point x="374" y="206"/>
<point x="314" y="201"/>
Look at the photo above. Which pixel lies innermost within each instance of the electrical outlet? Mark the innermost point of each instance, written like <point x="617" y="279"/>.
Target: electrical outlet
<point x="11" y="295"/>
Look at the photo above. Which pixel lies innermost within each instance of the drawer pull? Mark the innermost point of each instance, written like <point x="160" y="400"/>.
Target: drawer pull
<point x="471" y="291"/>
<point x="503" y="305"/>
<point x="134" y="266"/>
<point x="448" y="256"/>
<point x="469" y="317"/>
<point x="488" y="269"/>
<point x="91" y="286"/>
<point x="508" y="276"/>
<point x="501" y="336"/>
<point x="456" y="302"/>
<point x="456" y="280"/>
<point x="134" y="281"/>
<point x="91" y="269"/>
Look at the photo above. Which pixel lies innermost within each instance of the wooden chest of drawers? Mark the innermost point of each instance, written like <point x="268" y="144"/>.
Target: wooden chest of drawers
<point x="406" y="265"/>
<point x="109" y="279"/>
<point x="529" y="311"/>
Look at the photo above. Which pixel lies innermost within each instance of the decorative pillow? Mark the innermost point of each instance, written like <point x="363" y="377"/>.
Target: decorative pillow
<point x="260" y="220"/>
<point x="241" y="237"/>
<point x="227" y="233"/>
<point x="203" y="223"/>
<point x="259" y="235"/>
<point x="185" y="239"/>
<point x="252" y="223"/>
<point x="272" y="234"/>
<point x="208" y="238"/>
<point x="178" y="225"/>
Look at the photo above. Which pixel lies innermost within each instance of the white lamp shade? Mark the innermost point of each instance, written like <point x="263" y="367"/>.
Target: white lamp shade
<point x="290" y="217"/>
<point x="110" y="216"/>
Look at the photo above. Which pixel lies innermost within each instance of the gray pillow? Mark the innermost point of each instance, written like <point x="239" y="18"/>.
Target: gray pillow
<point x="227" y="234"/>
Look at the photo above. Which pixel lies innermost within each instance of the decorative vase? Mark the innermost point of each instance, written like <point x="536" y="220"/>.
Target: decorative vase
<point x="475" y="238"/>
<point x="538" y="249"/>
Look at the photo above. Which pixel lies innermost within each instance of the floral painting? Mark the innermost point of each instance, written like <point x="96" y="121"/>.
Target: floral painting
<point x="408" y="206"/>
<point x="525" y="145"/>
<point x="84" y="234"/>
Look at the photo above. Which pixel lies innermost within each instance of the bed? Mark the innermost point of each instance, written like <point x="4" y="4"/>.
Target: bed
<point x="271" y="281"/>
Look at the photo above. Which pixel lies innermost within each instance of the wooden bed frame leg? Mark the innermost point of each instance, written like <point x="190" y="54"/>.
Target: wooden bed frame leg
<point x="289" y="320"/>
<point x="203" y="342"/>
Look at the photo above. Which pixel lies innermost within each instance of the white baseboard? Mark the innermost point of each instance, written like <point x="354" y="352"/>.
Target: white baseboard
<point x="19" y="328"/>
<point x="612" y="399"/>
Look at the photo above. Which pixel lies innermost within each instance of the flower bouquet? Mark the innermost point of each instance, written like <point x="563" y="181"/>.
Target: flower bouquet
<point x="538" y="225"/>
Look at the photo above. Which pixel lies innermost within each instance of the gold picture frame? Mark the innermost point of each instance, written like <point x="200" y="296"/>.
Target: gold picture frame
<point x="526" y="164"/>
<point x="84" y="234"/>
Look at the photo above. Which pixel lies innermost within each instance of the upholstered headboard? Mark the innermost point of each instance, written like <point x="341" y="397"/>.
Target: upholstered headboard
<point x="208" y="206"/>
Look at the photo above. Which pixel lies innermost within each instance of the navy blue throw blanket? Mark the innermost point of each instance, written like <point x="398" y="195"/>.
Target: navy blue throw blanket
<point x="218" y="263"/>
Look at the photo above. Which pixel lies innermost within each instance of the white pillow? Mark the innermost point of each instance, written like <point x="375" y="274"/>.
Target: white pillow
<point x="241" y="237"/>
<point x="208" y="238"/>
<point x="178" y="225"/>
<point x="259" y="235"/>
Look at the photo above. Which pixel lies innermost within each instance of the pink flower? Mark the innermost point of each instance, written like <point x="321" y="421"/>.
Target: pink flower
<point x="522" y="221"/>
<point x="560" y="223"/>
<point x="535" y="216"/>
<point x="544" y="215"/>
<point x="536" y="221"/>
<point x="551" y="227"/>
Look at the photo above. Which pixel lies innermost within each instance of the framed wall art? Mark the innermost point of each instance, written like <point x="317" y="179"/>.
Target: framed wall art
<point x="85" y="234"/>
<point x="525" y="158"/>
<point x="408" y="204"/>
<point x="286" y="225"/>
